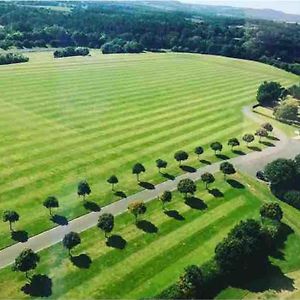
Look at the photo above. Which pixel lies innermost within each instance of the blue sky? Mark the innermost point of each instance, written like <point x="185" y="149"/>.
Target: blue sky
<point x="288" y="6"/>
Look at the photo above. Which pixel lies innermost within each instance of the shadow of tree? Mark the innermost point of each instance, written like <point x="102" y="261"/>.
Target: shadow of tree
<point x="254" y="148"/>
<point x="116" y="241"/>
<point x="20" y="236"/>
<point x="235" y="184"/>
<point x="120" y="194"/>
<point x="92" y="206"/>
<point x="174" y="214"/>
<point x="147" y="185"/>
<point x="216" y="193"/>
<point x="168" y="176"/>
<point x="81" y="261"/>
<point x="195" y="203"/>
<point x="39" y="286"/>
<point x="60" y="220"/>
<point x="147" y="226"/>
<point x="238" y="152"/>
<point x="273" y="138"/>
<point x="188" y="169"/>
<point x="222" y="156"/>
<point x="205" y="162"/>
<point x="268" y="144"/>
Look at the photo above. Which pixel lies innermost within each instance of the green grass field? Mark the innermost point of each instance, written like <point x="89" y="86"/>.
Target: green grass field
<point x="89" y="117"/>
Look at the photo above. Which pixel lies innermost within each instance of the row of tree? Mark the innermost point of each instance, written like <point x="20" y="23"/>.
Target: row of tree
<point x="71" y="51"/>
<point x="12" y="58"/>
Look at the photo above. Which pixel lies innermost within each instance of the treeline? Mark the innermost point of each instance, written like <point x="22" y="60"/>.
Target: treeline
<point x="12" y="58"/>
<point x="129" y="28"/>
<point x="71" y="51"/>
<point x="240" y="257"/>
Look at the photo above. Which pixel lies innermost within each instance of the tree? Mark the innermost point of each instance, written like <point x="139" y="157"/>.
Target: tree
<point x="51" y="202"/>
<point x="271" y="210"/>
<point x="199" y="150"/>
<point x="268" y="93"/>
<point x="83" y="189"/>
<point x="207" y="178"/>
<point x="248" y="138"/>
<point x="161" y="164"/>
<point x="106" y="223"/>
<point x="165" y="197"/>
<point x="11" y="217"/>
<point x="186" y="186"/>
<point x="227" y="168"/>
<point x="216" y="146"/>
<point x="137" y="169"/>
<point x="261" y="132"/>
<point x="233" y="142"/>
<point x="181" y="156"/>
<point x="27" y="260"/>
<point x="113" y="180"/>
<point x="288" y="110"/>
<point x="71" y="240"/>
<point x="191" y="282"/>
<point x="267" y="126"/>
<point x="137" y="208"/>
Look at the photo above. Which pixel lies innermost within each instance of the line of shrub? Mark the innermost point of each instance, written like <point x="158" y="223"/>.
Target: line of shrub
<point x="12" y="58"/>
<point x="71" y="51"/>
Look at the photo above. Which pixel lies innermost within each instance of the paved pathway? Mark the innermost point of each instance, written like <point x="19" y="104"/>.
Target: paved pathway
<point x="249" y="163"/>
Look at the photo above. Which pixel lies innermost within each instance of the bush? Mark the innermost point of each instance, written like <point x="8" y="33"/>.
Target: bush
<point x="71" y="51"/>
<point x="12" y="58"/>
<point x="172" y="292"/>
<point x="287" y="110"/>
<point x="292" y="198"/>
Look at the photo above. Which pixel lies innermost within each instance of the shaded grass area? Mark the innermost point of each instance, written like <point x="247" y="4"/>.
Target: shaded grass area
<point x="91" y="117"/>
<point x="143" y="262"/>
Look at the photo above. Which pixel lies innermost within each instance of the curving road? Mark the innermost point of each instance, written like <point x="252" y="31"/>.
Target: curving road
<point x="249" y="164"/>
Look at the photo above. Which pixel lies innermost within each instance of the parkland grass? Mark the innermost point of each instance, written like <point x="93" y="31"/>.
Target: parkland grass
<point x="77" y="118"/>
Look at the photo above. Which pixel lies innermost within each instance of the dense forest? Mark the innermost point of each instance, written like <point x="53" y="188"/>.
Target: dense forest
<point x="122" y="27"/>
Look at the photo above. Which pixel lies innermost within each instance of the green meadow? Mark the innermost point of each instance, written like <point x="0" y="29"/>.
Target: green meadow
<point x="64" y="120"/>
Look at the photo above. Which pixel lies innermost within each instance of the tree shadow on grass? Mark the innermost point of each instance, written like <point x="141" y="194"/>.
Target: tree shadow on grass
<point x="20" y="236"/>
<point x="175" y="215"/>
<point x="205" y="162"/>
<point x="268" y="144"/>
<point x="147" y="226"/>
<point x="254" y="148"/>
<point x="273" y="138"/>
<point x="235" y="184"/>
<point x="81" y="261"/>
<point x="39" y="286"/>
<point x="222" y="156"/>
<point x="188" y="169"/>
<point x="60" y="220"/>
<point x="116" y="241"/>
<point x="195" y="203"/>
<point x="92" y="206"/>
<point x="147" y="185"/>
<point x="216" y="193"/>
<point x="168" y="176"/>
<point x="120" y="194"/>
<point x="238" y="152"/>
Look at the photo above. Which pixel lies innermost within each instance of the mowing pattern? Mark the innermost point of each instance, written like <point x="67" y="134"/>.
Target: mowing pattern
<point x="87" y="118"/>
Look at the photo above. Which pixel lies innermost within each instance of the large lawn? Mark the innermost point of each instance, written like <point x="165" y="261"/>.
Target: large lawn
<point x="155" y="255"/>
<point x="79" y="118"/>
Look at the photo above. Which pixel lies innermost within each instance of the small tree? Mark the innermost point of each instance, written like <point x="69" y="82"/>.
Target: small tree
<point x="11" y="217"/>
<point x="261" y="132"/>
<point x="199" y="150"/>
<point x="233" y="142"/>
<point x="267" y="126"/>
<point x="271" y="210"/>
<point x="71" y="240"/>
<point x="268" y="93"/>
<point x="161" y="164"/>
<point x="191" y="282"/>
<point x="137" y="169"/>
<point x="83" y="189"/>
<point x="207" y="178"/>
<point x="216" y="146"/>
<point x="137" y="208"/>
<point x="165" y="197"/>
<point x="51" y="202"/>
<point x="186" y="186"/>
<point x="227" y="168"/>
<point x="248" y="138"/>
<point x="181" y="156"/>
<point x="106" y="223"/>
<point x="113" y="180"/>
<point x="27" y="260"/>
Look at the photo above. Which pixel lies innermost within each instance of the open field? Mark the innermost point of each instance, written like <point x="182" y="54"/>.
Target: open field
<point x="89" y="117"/>
<point x="155" y="255"/>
